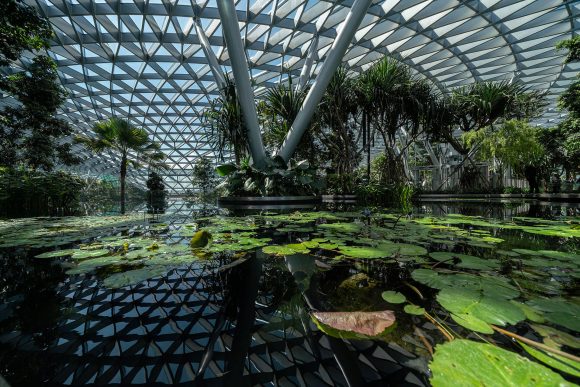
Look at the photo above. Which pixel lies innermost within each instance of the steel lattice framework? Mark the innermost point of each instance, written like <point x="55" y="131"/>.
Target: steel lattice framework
<point x="143" y="59"/>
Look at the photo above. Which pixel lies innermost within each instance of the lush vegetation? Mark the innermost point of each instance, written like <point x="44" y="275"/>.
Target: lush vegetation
<point x="204" y="179"/>
<point x="25" y="193"/>
<point x="30" y="133"/>
<point x="155" y="193"/>
<point x="359" y="112"/>
<point x="132" y="143"/>
<point x="465" y="294"/>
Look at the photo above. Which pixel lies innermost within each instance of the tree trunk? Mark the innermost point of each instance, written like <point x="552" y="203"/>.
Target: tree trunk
<point x="123" y="177"/>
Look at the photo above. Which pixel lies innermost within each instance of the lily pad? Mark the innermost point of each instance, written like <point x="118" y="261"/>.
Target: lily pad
<point x="366" y="252"/>
<point x="364" y="323"/>
<point x="132" y="277"/>
<point x="491" y="310"/>
<point x="414" y="310"/>
<point x="57" y="253"/>
<point x="83" y="254"/>
<point x="553" y="360"/>
<point x="469" y="363"/>
<point x="393" y="297"/>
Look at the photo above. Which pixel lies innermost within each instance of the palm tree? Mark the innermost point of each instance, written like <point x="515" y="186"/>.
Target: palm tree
<point x="131" y="142"/>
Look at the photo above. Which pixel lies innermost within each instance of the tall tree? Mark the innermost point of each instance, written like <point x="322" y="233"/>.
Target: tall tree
<point x="225" y="122"/>
<point x="30" y="133"/>
<point x="132" y="143"/>
<point x="485" y="104"/>
<point x="278" y="109"/>
<point x="336" y="116"/>
<point x="395" y="100"/>
<point x="515" y="144"/>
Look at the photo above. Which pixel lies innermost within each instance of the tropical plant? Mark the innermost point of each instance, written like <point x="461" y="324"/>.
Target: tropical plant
<point x="277" y="111"/>
<point x="563" y="140"/>
<point x="395" y="100"/>
<point x="132" y="143"/>
<point x="573" y="47"/>
<point x="338" y="132"/>
<point x="277" y="179"/>
<point x="515" y="144"/>
<point x="30" y="133"/>
<point x="484" y="104"/>
<point x="21" y="29"/>
<point x="204" y="178"/>
<point x="26" y="193"/>
<point x="155" y="193"/>
<point x="224" y="120"/>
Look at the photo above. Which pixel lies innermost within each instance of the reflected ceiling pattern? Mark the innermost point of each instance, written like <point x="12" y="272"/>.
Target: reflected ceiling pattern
<point x="142" y="59"/>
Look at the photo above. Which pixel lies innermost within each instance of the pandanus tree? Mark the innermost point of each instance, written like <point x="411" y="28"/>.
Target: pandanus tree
<point x="485" y="104"/>
<point x="394" y="100"/>
<point x="277" y="110"/>
<point x="132" y="143"/>
<point x="225" y="122"/>
<point x="336" y="116"/>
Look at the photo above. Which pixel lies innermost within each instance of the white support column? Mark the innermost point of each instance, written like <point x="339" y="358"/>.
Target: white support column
<point x="306" y="72"/>
<point x="334" y="58"/>
<point x="245" y="93"/>
<point x="212" y="59"/>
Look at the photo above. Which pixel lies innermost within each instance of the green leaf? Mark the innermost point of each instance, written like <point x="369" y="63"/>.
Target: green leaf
<point x="414" y="309"/>
<point x="492" y="310"/>
<point x="57" y="253"/>
<point x="226" y="169"/>
<point x="366" y="252"/>
<point x="82" y="254"/>
<point x="555" y="338"/>
<point x="555" y="361"/>
<point x="393" y="297"/>
<point x="468" y="363"/>
<point x="132" y="277"/>
<point x="471" y="322"/>
<point x="531" y="313"/>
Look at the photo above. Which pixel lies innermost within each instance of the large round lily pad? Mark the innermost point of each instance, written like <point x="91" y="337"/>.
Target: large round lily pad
<point x="479" y="305"/>
<point x="469" y="363"/>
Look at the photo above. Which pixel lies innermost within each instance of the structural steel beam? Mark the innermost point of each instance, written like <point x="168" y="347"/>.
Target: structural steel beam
<point x="231" y="32"/>
<point x="333" y="60"/>
<point x="212" y="59"/>
<point x="306" y="72"/>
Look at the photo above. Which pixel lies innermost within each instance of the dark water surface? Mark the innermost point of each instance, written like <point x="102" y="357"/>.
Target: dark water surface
<point x="243" y="317"/>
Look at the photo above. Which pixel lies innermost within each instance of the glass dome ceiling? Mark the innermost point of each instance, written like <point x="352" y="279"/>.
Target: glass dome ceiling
<point x="142" y="59"/>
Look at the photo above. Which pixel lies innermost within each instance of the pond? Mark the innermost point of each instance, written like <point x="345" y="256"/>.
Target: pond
<point x="317" y="298"/>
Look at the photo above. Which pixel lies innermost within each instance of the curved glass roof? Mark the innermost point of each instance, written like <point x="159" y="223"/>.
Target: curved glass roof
<point x="142" y="59"/>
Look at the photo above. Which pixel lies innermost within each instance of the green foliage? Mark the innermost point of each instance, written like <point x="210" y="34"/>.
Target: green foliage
<point x="339" y="137"/>
<point x="277" y="110"/>
<point x="155" y="193"/>
<point x="570" y="99"/>
<point x="204" y="178"/>
<point x="30" y="134"/>
<point x="573" y="47"/>
<point x="275" y="180"/>
<point x="469" y="363"/>
<point x="224" y="120"/>
<point x="21" y="29"/>
<point x="25" y="193"/>
<point x="131" y="142"/>
<point x="514" y="144"/>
